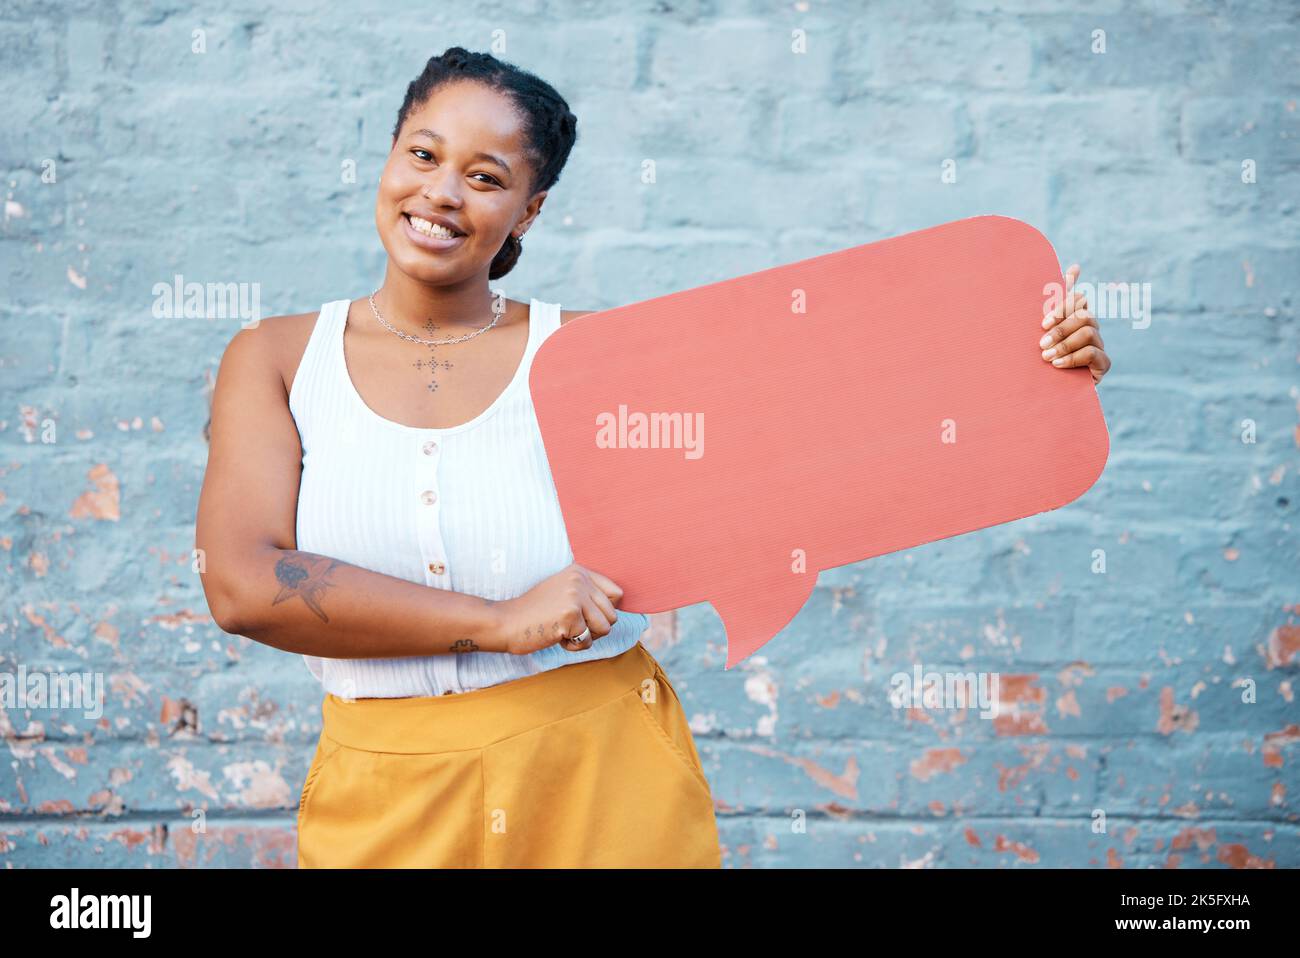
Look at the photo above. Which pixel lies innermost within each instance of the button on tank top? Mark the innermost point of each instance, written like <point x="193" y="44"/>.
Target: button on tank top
<point x="470" y="509"/>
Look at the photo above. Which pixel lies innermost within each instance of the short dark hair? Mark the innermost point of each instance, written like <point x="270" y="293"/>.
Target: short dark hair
<point x="550" y="127"/>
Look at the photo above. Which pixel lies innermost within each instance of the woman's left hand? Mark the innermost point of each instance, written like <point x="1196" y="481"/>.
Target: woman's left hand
<point x="1073" y="337"/>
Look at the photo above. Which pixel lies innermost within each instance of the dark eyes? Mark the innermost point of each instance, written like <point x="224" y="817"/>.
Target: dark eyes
<point x="428" y="158"/>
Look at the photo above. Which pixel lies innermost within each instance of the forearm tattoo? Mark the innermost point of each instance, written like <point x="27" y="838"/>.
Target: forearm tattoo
<point x="305" y="575"/>
<point x="464" y="645"/>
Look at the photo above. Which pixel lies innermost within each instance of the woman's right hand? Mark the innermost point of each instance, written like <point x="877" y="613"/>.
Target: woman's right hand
<point x="558" y="608"/>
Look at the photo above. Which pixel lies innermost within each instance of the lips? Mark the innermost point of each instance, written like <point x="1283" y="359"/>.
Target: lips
<point x="432" y="244"/>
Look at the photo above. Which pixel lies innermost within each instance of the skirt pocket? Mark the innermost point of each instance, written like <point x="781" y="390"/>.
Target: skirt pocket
<point x="326" y="749"/>
<point x="667" y="722"/>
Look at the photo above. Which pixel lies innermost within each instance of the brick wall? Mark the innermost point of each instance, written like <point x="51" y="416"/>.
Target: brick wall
<point x="1124" y="741"/>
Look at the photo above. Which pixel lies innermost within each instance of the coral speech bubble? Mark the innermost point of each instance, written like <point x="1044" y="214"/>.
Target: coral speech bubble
<point x="818" y="414"/>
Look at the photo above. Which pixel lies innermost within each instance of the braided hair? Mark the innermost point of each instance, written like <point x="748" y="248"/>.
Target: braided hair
<point x="550" y="128"/>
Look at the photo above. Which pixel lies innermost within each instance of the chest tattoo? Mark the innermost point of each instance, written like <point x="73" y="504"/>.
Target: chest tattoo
<point x="432" y="363"/>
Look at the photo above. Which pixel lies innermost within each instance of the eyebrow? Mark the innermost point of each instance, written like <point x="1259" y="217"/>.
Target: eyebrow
<point x="438" y="138"/>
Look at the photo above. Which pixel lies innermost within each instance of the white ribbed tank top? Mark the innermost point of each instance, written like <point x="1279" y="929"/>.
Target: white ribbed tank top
<point x="471" y="509"/>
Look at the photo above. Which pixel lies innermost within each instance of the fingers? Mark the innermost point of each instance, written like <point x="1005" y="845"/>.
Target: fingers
<point x="1066" y="319"/>
<point x="1069" y="315"/>
<point x="574" y="643"/>
<point x="1068" y="334"/>
<point x="563" y="629"/>
<point x="573" y="627"/>
<point x="1070" y="303"/>
<point x="1074" y="342"/>
<point x="1083" y="356"/>
<point x="597" y="621"/>
<point x="606" y="585"/>
<point x="1095" y="358"/>
<point x="601" y="601"/>
<point x="1073" y="337"/>
<point x="595" y="597"/>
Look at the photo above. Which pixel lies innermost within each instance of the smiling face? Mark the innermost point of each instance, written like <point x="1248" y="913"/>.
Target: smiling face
<point x="458" y="160"/>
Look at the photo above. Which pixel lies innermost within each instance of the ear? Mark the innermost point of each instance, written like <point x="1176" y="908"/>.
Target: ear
<point x="534" y="207"/>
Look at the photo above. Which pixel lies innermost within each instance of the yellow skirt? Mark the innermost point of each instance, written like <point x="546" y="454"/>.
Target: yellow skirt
<point x="590" y="765"/>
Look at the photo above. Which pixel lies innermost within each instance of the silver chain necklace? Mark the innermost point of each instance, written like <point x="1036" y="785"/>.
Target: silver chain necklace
<point x="498" y="308"/>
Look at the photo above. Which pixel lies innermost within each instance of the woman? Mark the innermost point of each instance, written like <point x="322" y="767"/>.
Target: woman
<point x="485" y="703"/>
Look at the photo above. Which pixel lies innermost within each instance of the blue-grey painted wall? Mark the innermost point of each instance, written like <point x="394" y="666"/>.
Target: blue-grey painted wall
<point x="1149" y="716"/>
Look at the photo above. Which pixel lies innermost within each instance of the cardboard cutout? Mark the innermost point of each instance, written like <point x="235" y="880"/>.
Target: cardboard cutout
<point x="728" y="442"/>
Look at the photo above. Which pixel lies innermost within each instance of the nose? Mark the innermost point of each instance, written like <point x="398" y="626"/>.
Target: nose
<point x="442" y="187"/>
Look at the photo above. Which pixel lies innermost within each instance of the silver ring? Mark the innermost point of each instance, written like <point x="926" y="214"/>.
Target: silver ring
<point x="585" y="633"/>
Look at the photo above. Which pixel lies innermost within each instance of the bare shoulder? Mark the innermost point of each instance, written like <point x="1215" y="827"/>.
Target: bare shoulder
<point x="277" y="342"/>
<point x="568" y="314"/>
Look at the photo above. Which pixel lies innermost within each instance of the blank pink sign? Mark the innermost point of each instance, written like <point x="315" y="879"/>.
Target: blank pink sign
<point x="726" y="443"/>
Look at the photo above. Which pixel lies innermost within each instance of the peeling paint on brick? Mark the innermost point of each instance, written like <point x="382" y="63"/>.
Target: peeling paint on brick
<point x="1174" y="717"/>
<point x="1283" y="644"/>
<point x="1023" y="852"/>
<point x="103" y="501"/>
<point x="1238" y="856"/>
<point x="936" y="761"/>
<point x="1274" y="743"/>
<point x="1020" y="706"/>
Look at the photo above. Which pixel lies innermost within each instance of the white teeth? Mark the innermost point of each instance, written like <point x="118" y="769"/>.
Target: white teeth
<point x="432" y="229"/>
